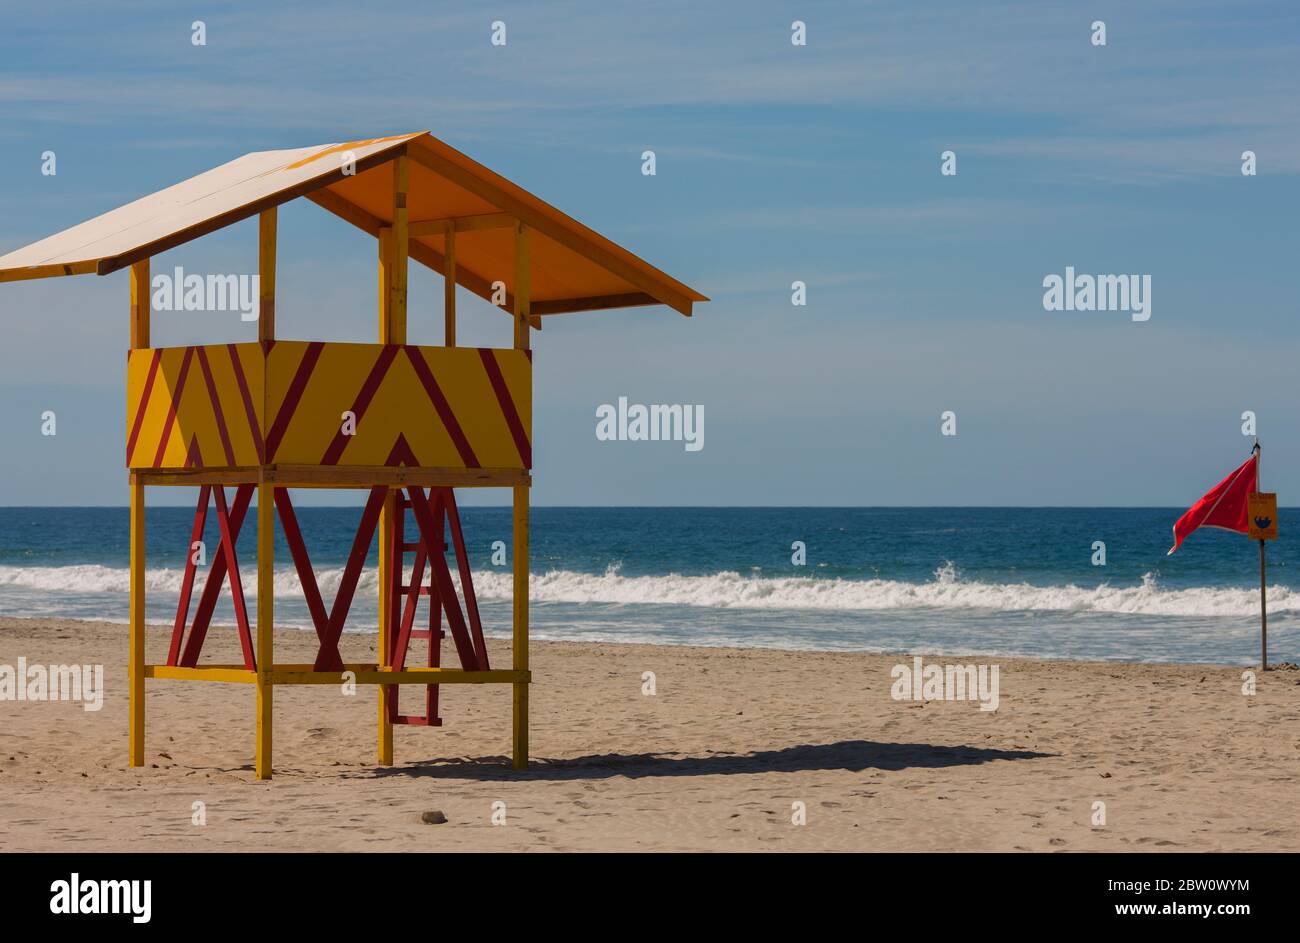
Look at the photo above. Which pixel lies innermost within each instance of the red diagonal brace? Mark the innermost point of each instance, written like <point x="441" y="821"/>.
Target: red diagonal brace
<point x="466" y="578"/>
<point x="187" y="584"/>
<point x="328" y="658"/>
<point x="442" y="581"/>
<point x="301" y="562"/>
<point x="216" y="576"/>
<point x="236" y="587"/>
<point x="408" y="616"/>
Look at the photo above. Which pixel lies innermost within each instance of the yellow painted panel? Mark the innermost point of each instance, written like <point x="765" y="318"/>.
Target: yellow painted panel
<point x="244" y="437"/>
<point x="465" y="383"/>
<point x="180" y="410"/>
<point x="302" y="422"/>
<point x="399" y="405"/>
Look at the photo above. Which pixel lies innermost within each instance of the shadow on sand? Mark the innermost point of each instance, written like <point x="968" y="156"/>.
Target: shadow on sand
<point x="850" y="755"/>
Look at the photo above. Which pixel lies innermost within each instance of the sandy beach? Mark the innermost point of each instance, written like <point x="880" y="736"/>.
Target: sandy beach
<point x="715" y="760"/>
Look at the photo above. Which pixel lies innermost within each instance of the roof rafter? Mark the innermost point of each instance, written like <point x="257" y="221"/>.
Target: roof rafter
<point x="426" y="256"/>
<point x="587" y="244"/>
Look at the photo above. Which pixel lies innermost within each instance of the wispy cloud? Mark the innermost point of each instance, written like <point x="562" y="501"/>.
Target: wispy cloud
<point x="1169" y="68"/>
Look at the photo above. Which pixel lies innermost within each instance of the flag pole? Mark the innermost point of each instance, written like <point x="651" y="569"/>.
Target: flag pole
<point x="1263" y="613"/>
<point x="1263" y="605"/>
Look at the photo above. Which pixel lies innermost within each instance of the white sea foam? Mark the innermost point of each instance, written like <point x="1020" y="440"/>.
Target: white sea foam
<point x="730" y="590"/>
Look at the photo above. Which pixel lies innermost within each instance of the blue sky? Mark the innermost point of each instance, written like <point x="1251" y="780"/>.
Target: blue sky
<point x="775" y="163"/>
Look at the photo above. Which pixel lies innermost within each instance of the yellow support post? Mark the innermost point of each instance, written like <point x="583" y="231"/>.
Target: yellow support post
<point x="519" y="643"/>
<point x="520" y="639"/>
<point x="399" y="249"/>
<point x="523" y="286"/>
<point x="265" y="623"/>
<point x="449" y="287"/>
<point x="385" y="752"/>
<point x="136" y="659"/>
<point x="394" y="246"/>
<point x="266" y="231"/>
<point x="266" y="246"/>
<point x="140" y="306"/>
<point x="385" y="281"/>
<point x="386" y="517"/>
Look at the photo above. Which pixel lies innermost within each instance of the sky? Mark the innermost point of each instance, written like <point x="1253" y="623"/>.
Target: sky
<point x="774" y="163"/>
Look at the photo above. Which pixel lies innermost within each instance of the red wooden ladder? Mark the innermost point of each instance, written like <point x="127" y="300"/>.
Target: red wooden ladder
<point x="435" y="514"/>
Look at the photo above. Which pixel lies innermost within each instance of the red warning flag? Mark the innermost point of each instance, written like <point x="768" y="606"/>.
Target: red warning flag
<point x="1223" y="506"/>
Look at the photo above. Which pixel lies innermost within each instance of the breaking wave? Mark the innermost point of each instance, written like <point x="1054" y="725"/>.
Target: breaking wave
<point x="730" y="590"/>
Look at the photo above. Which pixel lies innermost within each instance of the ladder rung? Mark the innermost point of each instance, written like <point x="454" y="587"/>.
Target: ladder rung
<point x="415" y="720"/>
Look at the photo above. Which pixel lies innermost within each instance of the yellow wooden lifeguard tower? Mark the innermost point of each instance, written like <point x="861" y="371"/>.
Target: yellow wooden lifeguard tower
<point x="270" y="415"/>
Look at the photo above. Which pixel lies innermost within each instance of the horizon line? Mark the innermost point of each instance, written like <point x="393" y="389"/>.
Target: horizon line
<point x="688" y="507"/>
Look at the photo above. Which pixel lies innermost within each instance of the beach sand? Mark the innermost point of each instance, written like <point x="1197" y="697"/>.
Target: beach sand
<point x="714" y="760"/>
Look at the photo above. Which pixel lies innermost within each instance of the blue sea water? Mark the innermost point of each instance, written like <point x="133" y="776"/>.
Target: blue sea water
<point x="990" y="581"/>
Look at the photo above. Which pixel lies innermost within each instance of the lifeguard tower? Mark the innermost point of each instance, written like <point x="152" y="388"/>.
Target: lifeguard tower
<point x="269" y="415"/>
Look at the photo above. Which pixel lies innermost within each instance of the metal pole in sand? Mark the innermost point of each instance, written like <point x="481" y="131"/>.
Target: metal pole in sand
<point x="1263" y="603"/>
<point x="1263" y="614"/>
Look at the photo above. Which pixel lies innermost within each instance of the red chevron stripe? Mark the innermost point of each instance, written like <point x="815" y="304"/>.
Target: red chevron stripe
<point x="401" y="454"/>
<point x="291" y="399"/>
<point x="367" y="393"/>
<point x="144" y="403"/>
<point x="442" y="406"/>
<point x="247" y="397"/>
<point x="517" y="431"/>
<point x="171" y="411"/>
<point x="216" y="407"/>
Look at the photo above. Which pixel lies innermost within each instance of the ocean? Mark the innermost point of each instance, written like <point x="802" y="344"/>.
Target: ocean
<point x="944" y="581"/>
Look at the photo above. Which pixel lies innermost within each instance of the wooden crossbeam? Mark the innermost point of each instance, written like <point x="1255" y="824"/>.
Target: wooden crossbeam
<point x="449" y="224"/>
<point x="634" y="299"/>
<point x="231" y="673"/>
<point x="337" y="476"/>
<point x="405" y="676"/>
<point x="366" y="673"/>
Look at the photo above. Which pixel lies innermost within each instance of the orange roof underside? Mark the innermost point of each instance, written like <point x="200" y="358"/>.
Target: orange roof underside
<point x="572" y="268"/>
